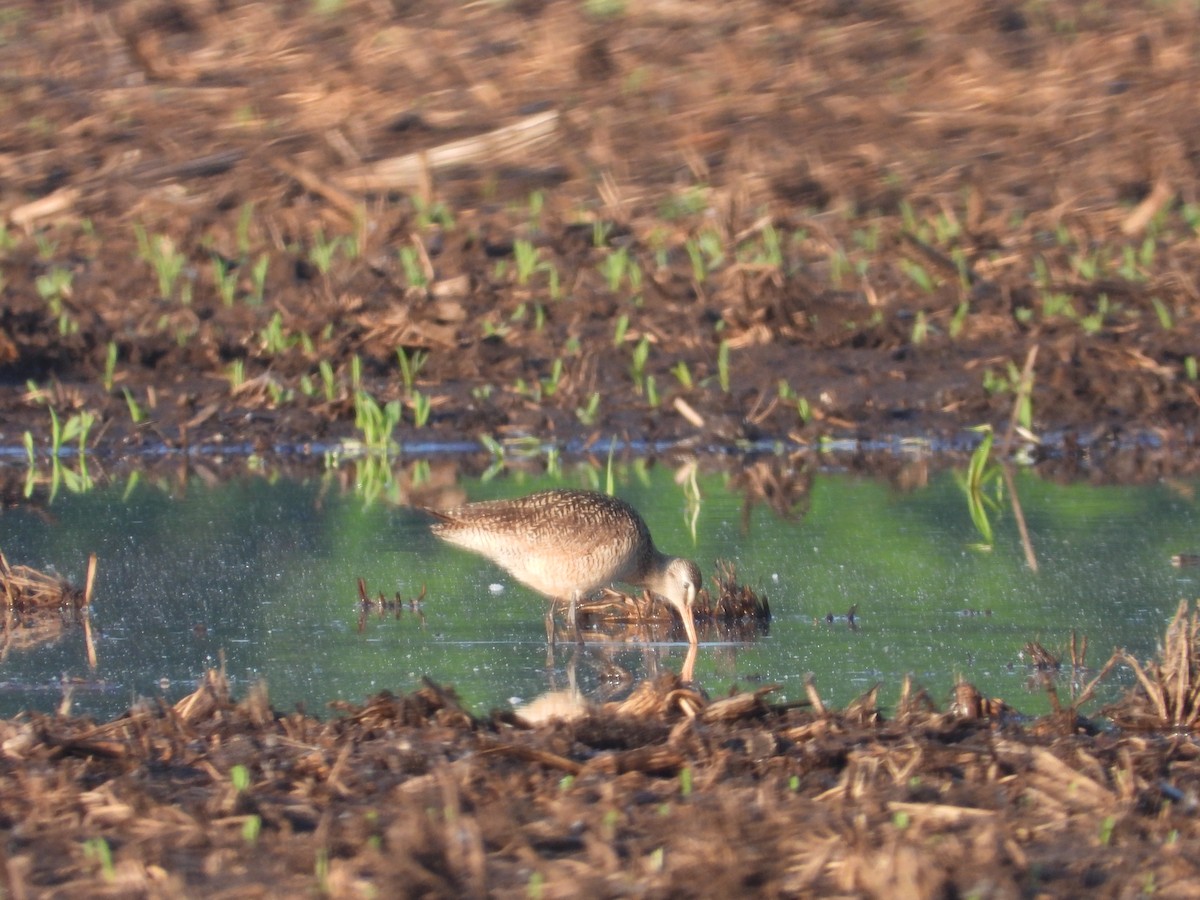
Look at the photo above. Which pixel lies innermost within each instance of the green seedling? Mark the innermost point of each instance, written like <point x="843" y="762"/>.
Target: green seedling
<point x="637" y="365"/>
<point x="787" y="395"/>
<point x="620" y="329"/>
<point x="551" y="382"/>
<point x="321" y="870"/>
<point x="376" y="422"/>
<point x="251" y="829"/>
<point x="322" y="251"/>
<point x="803" y="410"/>
<point x="683" y="374"/>
<point x="600" y="232"/>
<point x="55" y="287"/>
<point x="526" y="257"/>
<point x="691" y="202"/>
<point x="328" y="380"/>
<point x="918" y="274"/>
<point x="236" y="374"/>
<point x="46" y="247"/>
<point x="411" y="366"/>
<point x="421" y="405"/>
<point x="225" y="279"/>
<point x="1189" y="368"/>
<point x="431" y="213"/>
<point x="239" y="777"/>
<point x="699" y="271"/>
<point x="1165" y="319"/>
<point x="135" y="410"/>
<point x="493" y="330"/>
<point x="160" y="252"/>
<point x="981" y="472"/>
<point x="110" y="365"/>
<point x="613" y="267"/>
<point x="866" y="239"/>
<point x="245" y="217"/>
<point x="97" y="849"/>
<point x="258" y="279"/>
<point x="920" y="329"/>
<point x="651" y="392"/>
<point x="959" y="319"/>
<point x="685" y="781"/>
<point x="414" y="271"/>
<point x="537" y="203"/>
<point x="723" y="365"/>
<point x="1093" y="323"/>
<point x="274" y="340"/>
<point x="279" y="394"/>
<point x="587" y="414"/>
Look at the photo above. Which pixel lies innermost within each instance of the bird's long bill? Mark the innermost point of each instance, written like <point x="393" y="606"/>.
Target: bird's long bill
<point x="687" y="613"/>
<point x="689" y="624"/>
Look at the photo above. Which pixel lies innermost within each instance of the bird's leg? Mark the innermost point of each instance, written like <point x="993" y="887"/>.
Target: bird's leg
<point x="573" y="621"/>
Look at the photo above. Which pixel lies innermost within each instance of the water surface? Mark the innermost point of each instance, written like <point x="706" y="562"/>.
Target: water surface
<point x="264" y="574"/>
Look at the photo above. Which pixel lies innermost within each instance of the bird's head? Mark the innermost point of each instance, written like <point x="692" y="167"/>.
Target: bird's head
<point x="681" y="582"/>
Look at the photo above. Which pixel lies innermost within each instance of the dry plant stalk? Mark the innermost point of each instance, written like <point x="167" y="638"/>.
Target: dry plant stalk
<point x="1169" y="695"/>
<point x="514" y="141"/>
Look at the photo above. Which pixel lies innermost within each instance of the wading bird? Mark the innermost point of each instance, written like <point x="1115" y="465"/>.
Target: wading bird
<point x="569" y="544"/>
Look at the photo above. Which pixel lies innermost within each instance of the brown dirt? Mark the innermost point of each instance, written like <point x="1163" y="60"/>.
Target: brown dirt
<point x="1035" y="163"/>
<point x="954" y="187"/>
<point x="664" y="794"/>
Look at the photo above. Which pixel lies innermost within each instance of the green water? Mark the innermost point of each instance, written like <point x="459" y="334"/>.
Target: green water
<point x="265" y="575"/>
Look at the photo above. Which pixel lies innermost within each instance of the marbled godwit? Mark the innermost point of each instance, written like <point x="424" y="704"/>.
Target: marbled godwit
<point x="569" y="544"/>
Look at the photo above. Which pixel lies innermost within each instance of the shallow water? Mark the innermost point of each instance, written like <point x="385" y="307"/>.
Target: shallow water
<point x="265" y="575"/>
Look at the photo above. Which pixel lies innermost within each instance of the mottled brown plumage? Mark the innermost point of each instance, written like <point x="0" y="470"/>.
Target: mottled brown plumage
<point x="569" y="544"/>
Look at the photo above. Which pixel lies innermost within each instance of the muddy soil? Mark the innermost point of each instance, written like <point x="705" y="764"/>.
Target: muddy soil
<point x="694" y="222"/>
<point x="283" y="225"/>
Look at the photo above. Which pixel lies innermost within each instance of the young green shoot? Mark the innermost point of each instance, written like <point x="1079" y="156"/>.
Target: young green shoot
<point x="323" y="251"/>
<point x="613" y="268"/>
<point x="526" y="257"/>
<point x="225" y="279"/>
<point x="421" y="406"/>
<point x="236" y="373"/>
<point x="111" y="353"/>
<point x="135" y="410"/>
<point x="375" y="422"/>
<point x="160" y="252"/>
<point x="328" y="380"/>
<point x="620" y="329"/>
<point x="683" y="374"/>
<point x="587" y="413"/>
<point x="1165" y="319"/>
<point x="959" y="319"/>
<point x="258" y="278"/>
<point x="723" y="365"/>
<point x="920" y="329"/>
<point x="411" y="366"/>
<point x="242" y="236"/>
<point x="97" y="849"/>
<point x="637" y="365"/>
<point x="414" y="271"/>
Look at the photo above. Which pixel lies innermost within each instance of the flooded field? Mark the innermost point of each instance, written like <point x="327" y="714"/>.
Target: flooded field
<point x="866" y="582"/>
<point x="257" y="258"/>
